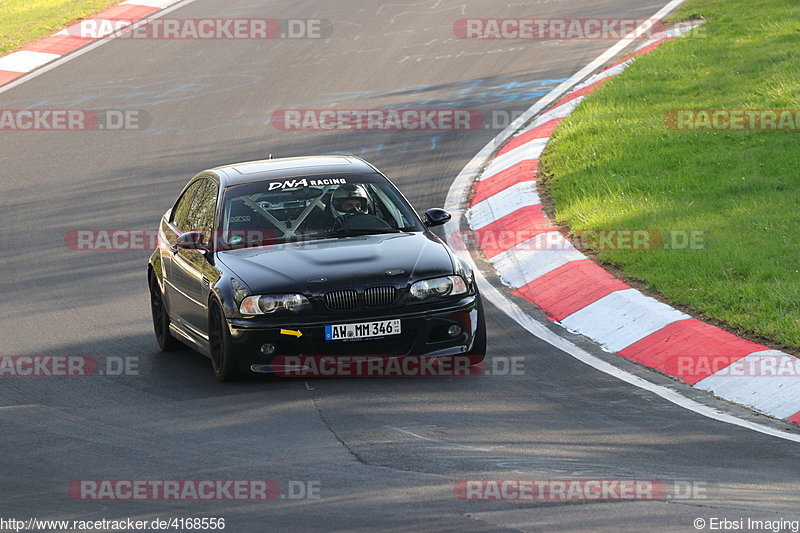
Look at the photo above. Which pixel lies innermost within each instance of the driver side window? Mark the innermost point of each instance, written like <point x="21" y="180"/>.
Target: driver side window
<point x="204" y="209"/>
<point x="180" y="215"/>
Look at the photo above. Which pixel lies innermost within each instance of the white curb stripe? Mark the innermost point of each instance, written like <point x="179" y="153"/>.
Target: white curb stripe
<point x="621" y="318"/>
<point x="651" y="41"/>
<point x="776" y="395"/>
<point x="557" y="112"/>
<point x="613" y="71"/>
<point x="526" y="152"/>
<point x="504" y="203"/>
<point x="25" y="60"/>
<point x="672" y="32"/>
<point x="534" y="258"/>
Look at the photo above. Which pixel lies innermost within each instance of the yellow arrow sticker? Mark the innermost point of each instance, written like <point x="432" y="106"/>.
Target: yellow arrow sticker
<point x="294" y="333"/>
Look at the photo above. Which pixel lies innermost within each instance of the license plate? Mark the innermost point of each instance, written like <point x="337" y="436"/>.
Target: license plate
<point x="362" y="330"/>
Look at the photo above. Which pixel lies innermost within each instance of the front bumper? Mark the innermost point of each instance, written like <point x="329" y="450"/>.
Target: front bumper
<point x="424" y="332"/>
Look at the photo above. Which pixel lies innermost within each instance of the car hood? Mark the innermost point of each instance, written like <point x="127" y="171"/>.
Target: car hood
<point x="331" y="264"/>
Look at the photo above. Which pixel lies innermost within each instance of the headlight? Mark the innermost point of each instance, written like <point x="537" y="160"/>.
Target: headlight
<point x="270" y="303"/>
<point x="446" y="286"/>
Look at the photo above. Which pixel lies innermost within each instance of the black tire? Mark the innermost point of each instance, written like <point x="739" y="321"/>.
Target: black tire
<point x="164" y="338"/>
<point x="223" y="361"/>
<point x="478" y="351"/>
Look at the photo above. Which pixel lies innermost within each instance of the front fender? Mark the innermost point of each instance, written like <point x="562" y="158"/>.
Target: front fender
<point x="156" y="265"/>
<point x="229" y="290"/>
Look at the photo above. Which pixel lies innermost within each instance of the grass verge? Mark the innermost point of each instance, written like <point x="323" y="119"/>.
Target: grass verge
<point x="23" y="21"/>
<point x="613" y="163"/>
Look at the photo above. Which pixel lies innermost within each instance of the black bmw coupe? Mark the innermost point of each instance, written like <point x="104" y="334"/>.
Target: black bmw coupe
<point x="317" y="256"/>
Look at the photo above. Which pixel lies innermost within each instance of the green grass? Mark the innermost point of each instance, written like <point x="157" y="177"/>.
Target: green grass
<point x="614" y="164"/>
<point x="22" y="21"/>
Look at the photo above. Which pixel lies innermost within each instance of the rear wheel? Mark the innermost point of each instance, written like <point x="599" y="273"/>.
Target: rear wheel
<point x="164" y="338"/>
<point x="478" y="351"/>
<point x="219" y="337"/>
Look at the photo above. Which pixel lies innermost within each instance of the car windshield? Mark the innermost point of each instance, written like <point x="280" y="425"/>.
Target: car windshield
<point x="319" y="207"/>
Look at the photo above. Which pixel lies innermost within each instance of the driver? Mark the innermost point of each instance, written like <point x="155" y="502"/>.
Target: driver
<point x="348" y="200"/>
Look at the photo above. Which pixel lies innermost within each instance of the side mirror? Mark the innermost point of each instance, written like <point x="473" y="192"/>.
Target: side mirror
<point x="436" y="217"/>
<point x="192" y="240"/>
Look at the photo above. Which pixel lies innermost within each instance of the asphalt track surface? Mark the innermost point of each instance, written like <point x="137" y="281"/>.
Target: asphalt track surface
<point x="384" y="452"/>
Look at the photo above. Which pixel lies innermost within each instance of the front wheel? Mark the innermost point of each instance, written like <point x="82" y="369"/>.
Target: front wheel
<point x="164" y="338"/>
<point x="478" y="351"/>
<point x="219" y="337"/>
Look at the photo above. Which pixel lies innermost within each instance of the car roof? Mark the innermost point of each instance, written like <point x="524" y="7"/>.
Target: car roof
<point x="266" y="169"/>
